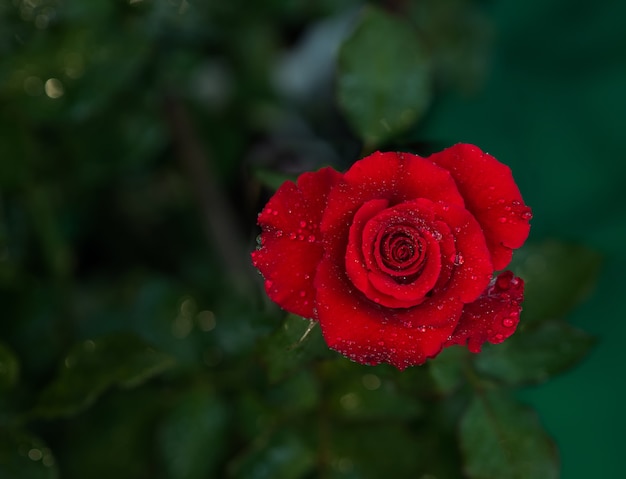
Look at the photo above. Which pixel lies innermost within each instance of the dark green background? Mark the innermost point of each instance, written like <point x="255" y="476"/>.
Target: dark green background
<point x="104" y="232"/>
<point x="554" y="109"/>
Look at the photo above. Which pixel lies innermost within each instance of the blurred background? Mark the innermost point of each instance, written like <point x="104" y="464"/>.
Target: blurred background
<point x="138" y="141"/>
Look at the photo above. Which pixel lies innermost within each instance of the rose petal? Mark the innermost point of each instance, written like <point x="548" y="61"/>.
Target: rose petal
<point x="369" y="334"/>
<point x="397" y="177"/>
<point x="493" y="316"/>
<point x="291" y="237"/>
<point x="491" y="195"/>
<point x="471" y="263"/>
<point x="416" y="216"/>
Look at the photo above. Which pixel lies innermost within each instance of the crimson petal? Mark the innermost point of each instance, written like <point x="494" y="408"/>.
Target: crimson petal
<point x="291" y="236"/>
<point x="493" y="317"/>
<point x="491" y="195"/>
<point x="369" y="334"/>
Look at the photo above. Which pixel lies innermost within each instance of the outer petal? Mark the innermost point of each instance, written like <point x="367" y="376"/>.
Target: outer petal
<point x="493" y="317"/>
<point x="397" y="177"/>
<point x="291" y="247"/>
<point x="402" y="176"/>
<point x="471" y="265"/>
<point x="491" y="195"/>
<point x="369" y="334"/>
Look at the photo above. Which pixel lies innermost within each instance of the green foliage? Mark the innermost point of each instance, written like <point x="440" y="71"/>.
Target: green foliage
<point x="557" y="276"/>
<point x="384" y="78"/>
<point x="357" y="453"/>
<point x="9" y="368"/>
<point x="281" y="455"/>
<point x="24" y="456"/>
<point x="94" y="366"/>
<point x="535" y="353"/>
<point x="284" y="350"/>
<point x="504" y="440"/>
<point x="193" y="435"/>
<point x="138" y="140"/>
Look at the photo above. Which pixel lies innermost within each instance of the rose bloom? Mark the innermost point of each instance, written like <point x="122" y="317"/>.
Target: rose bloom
<point x="396" y="257"/>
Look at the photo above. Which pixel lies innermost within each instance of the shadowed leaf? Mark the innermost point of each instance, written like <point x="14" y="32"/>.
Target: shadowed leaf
<point x="94" y="366"/>
<point x="384" y="77"/>
<point x="557" y="277"/>
<point x="500" y="439"/>
<point x="534" y="355"/>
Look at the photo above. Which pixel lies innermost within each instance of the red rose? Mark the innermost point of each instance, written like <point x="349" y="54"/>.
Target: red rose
<point x="395" y="258"/>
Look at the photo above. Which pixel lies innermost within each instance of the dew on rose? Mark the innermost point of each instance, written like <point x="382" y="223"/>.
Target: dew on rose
<point x="456" y="162"/>
<point x="508" y="322"/>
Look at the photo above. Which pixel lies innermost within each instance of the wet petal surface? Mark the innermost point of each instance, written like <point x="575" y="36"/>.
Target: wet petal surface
<point x="491" y="195"/>
<point x="291" y="248"/>
<point x="494" y="316"/>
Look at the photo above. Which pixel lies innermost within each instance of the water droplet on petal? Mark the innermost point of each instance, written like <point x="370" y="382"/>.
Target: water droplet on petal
<point x="508" y="322"/>
<point x="526" y="214"/>
<point x="457" y="259"/>
<point x="301" y="237"/>
<point x="292" y="236"/>
<point x="302" y="224"/>
<point x="502" y="219"/>
<point x="311" y="239"/>
<point x="268" y="284"/>
<point x="302" y="294"/>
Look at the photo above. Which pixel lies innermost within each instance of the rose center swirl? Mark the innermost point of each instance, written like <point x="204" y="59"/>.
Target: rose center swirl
<point x="401" y="249"/>
<point x="394" y="254"/>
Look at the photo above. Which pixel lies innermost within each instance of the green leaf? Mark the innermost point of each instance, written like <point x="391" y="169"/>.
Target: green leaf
<point x="23" y="456"/>
<point x="447" y="369"/>
<point x="9" y="368"/>
<point x="284" y="455"/>
<point x="94" y="366"/>
<point x="557" y="276"/>
<point x="296" y="343"/>
<point x="191" y="438"/>
<point x="384" y="77"/>
<point x="501" y="439"/>
<point x="533" y="355"/>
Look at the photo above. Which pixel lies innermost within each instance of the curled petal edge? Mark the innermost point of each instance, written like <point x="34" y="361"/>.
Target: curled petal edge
<point x="493" y="317"/>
